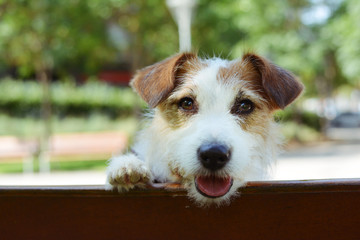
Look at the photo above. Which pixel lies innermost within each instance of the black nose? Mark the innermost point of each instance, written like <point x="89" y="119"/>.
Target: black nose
<point x="214" y="156"/>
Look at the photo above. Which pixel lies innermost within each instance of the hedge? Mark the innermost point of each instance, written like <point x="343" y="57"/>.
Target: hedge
<point x="309" y="119"/>
<point x="23" y="98"/>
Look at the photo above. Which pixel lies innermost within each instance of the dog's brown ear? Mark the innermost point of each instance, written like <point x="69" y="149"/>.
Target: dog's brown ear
<point x="280" y="86"/>
<point x="155" y="83"/>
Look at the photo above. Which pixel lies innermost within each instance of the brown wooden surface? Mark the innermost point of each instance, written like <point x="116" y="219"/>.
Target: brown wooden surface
<point x="328" y="209"/>
<point x="77" y="146"/>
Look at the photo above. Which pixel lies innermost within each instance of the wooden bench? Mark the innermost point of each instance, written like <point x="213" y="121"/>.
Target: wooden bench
<point x="75" y="146"/>
<point x="89" y="146"/>
<point x="326" y="209"/>
<point x="15" y="149"/>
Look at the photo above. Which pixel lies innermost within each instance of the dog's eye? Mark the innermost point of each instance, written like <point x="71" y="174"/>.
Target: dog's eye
<point x="186" y="104"/>
<point x="245" y="106"/>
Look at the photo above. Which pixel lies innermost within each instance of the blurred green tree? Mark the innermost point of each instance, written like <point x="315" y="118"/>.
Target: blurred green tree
<point x="75" y="37"/>
<point x="38" y="35"/>
<point x="343" y="35"/>
<point x="43" y="36"/>
<point x="72" y="36"/>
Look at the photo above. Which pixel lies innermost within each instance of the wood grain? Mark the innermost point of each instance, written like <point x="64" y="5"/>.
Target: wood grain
<point x="325" y="209"/>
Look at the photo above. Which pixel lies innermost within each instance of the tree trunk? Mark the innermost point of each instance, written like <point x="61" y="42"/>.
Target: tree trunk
<point x="325" y="85"/>
<point x="45" y="138"/>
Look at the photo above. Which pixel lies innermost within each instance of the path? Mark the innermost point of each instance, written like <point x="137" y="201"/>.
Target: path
<point x="321" y="161"/>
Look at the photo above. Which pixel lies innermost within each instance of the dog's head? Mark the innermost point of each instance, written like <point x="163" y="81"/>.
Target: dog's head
<point x="216" y="118"/>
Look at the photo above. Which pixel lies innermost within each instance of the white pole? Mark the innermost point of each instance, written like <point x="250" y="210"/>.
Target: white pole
<point x="182" y="13"/>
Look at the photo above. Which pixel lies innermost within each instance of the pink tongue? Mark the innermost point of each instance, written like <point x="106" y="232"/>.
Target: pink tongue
<point x="213" y="186"/>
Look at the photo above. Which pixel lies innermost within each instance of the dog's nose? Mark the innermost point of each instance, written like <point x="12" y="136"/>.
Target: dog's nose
<point x="214" y="156"/>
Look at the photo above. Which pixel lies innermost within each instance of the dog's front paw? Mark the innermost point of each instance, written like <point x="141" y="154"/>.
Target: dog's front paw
<point x="127" y="172"/>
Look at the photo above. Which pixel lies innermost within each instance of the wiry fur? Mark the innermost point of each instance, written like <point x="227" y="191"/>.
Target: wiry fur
<point x="166" y="151"/>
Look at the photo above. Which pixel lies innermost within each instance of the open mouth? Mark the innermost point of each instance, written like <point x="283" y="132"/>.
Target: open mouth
<point x="213" y="186"/>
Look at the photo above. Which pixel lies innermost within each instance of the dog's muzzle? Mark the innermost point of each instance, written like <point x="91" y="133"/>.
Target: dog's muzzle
<point x="213" y="157"/>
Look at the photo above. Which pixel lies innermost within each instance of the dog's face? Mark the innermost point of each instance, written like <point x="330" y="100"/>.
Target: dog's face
<point x="216" y="118"/>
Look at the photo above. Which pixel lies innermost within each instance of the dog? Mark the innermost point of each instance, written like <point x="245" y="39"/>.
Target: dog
<point x="211" y="125"/>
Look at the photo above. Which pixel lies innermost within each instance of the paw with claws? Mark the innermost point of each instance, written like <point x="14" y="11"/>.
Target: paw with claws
<point x="127" y="172"/>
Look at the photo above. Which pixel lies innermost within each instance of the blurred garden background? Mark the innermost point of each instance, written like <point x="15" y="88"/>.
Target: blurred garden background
<point x="65" y="65"/>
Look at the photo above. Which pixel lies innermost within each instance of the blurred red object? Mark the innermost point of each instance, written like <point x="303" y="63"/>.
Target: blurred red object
<point x="115" y="77"/>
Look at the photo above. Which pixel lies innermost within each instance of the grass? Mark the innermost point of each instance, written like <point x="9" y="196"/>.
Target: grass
<point x="27" y="128"/>
<point x="99" y="165"/>
<point x="11" y="167"/>
<point x="17" y="167"/>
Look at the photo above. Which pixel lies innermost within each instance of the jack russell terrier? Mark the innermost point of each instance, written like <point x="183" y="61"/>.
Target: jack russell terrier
<point x="211" y="125"/>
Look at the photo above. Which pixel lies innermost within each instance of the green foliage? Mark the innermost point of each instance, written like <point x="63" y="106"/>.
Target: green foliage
<point x="343" y="33"/>
<point x="23" y="98"/>
<point x="299" y="126"/>
<point x="70" y="37"/>
<point x="324" y="54"/>
<point x="29" y="127"/>
<point x="43" y="35"/>
<point x="300" y="133"/>
<point x="308" y="119"/>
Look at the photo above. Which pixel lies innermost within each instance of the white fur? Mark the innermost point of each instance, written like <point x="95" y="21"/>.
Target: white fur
<point x="161" y="149"/>
<point x="126" y="172"/>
